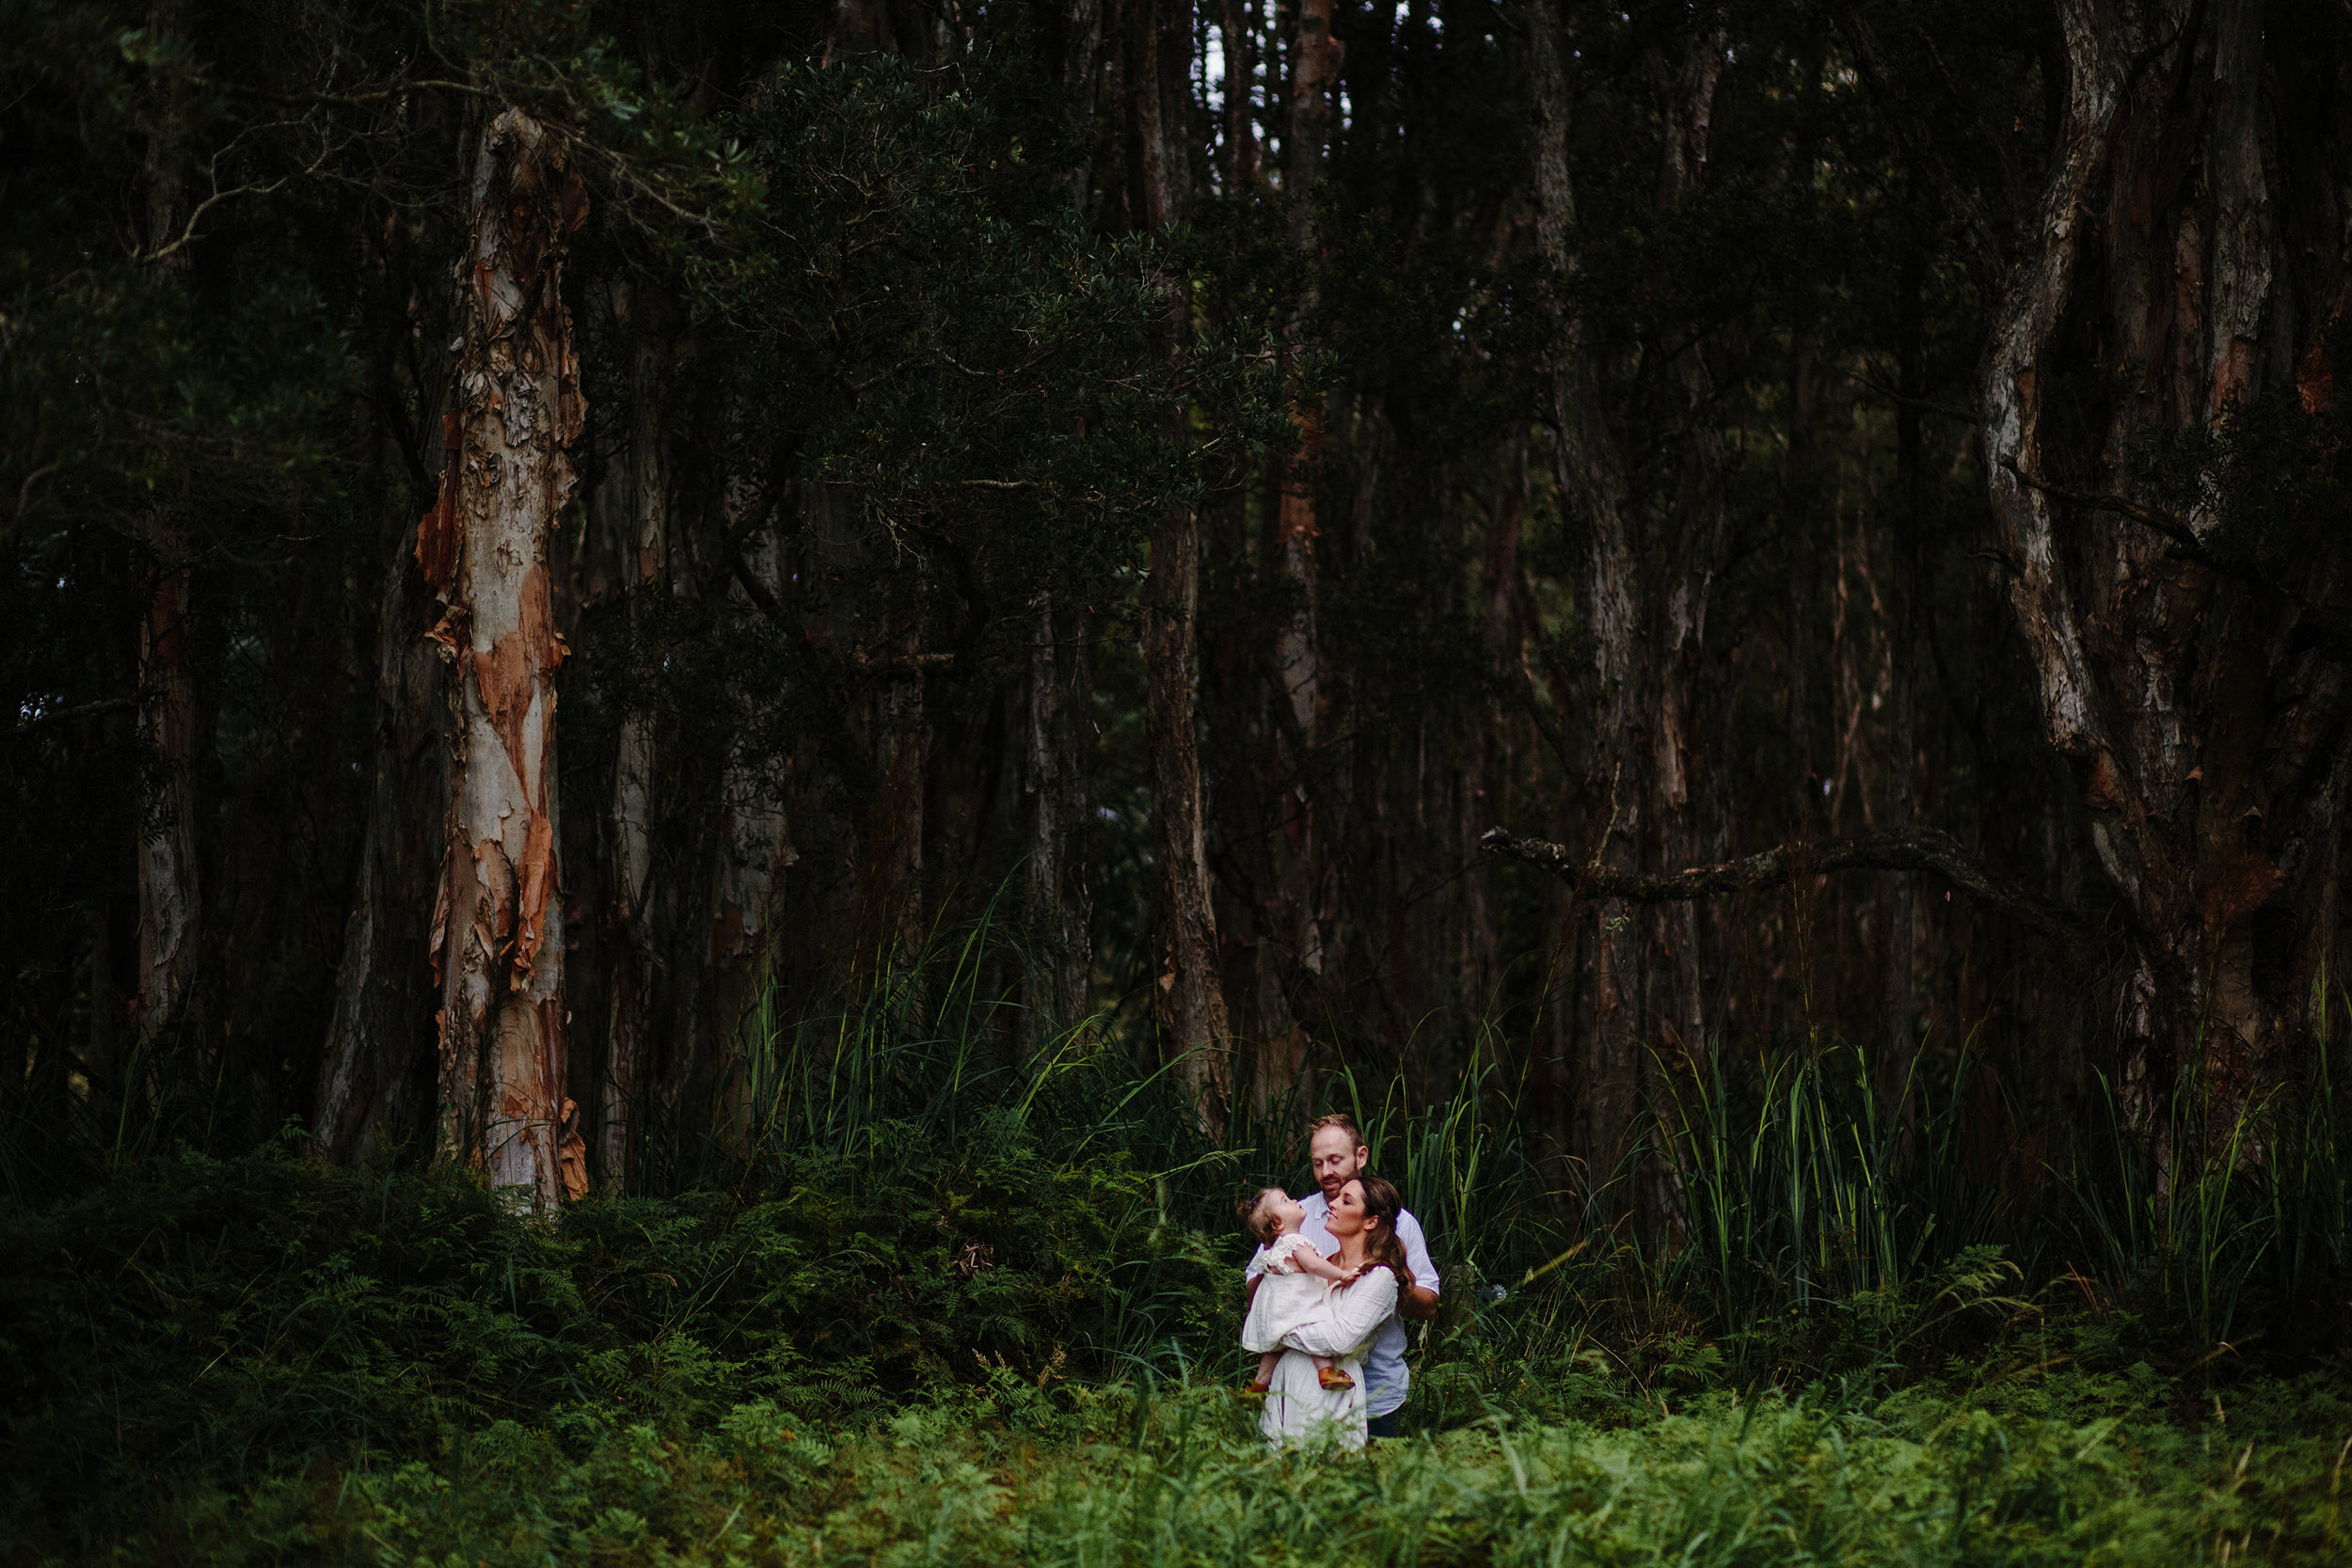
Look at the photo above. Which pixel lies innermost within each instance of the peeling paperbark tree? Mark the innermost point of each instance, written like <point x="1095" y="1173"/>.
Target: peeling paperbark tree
<point x="2178" y="289"/>
<point x="497" y="935"/>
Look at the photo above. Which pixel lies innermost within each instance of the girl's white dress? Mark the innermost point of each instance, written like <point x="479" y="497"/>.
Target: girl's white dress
<point x="1287" y="1296"/>
<point x="1298" y="1409"/>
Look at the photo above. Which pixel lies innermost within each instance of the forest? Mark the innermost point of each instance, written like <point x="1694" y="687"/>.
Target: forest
<point x="714" y="716"/>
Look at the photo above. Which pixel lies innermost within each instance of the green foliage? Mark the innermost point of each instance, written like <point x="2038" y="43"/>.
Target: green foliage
<point x="227" y="1321"/>
<point x="948" y="1306"/>
<point x="1176" y="1474"/>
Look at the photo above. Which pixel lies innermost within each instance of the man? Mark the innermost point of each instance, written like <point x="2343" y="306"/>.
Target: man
<point x="1337" y="1151"/>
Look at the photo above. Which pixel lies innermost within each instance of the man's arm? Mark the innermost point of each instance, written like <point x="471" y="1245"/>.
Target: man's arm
<point x="1419" y="1303"/>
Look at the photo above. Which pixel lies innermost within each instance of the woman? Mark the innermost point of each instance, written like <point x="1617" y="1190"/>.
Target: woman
<point x="1297" y="1407"/>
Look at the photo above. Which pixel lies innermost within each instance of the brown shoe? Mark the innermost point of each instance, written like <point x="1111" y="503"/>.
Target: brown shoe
<point x="1259" y="1386"/>
<point x="1332" y="1378"/>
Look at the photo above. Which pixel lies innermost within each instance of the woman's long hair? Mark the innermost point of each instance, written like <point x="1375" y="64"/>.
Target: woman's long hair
<point x="1381" y="1247"/>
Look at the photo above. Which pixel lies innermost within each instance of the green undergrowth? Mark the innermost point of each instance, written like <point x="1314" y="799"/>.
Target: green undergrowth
<point x="926" y="1298"/>
<point x="215" y="1323"/>
<point x="986" y="1356"/>
<point x="1176" y="1475"/>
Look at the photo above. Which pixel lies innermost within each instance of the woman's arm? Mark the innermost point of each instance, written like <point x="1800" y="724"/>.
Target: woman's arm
<point x="1356" y="1314"/>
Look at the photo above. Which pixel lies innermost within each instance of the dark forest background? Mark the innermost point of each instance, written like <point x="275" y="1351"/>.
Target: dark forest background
<point x="1170" y="484"/>
<point x="712" y="715"/>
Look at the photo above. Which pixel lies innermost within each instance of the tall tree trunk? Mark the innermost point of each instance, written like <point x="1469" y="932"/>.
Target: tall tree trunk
<point x="1684" y="570"/>
<point x="1057" y="744"/>
<point x="376" y="1083"/>
<point x="1902" y="577"/>
<point x="2184" y="254"/>
<point x="171" y="903"/>
<point x="1190" y="1007"/>
<point x="647" y="565"/>
<point x="1801" y="498"/>
<point x="1298" y="657"/>
<point x="1059" y="915"/>
<point x="1590" y="474"/>
<point x="498" y="924"/>
<point x="1645" y="602"/>
<point x="170" y="896"/>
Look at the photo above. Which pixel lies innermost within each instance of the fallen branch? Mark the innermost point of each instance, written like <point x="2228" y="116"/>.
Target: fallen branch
<point x="1921" y="850"/>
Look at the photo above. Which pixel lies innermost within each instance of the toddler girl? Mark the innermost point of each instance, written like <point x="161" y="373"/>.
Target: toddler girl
<point x="1295" y="1287"/>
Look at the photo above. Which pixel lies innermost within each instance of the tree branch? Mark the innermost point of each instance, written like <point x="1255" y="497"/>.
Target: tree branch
<point x="1921" y="850"/>
<point x="26" y="725"/>
<point x="2172" y="528"/>
<point x="2331" y="626"/>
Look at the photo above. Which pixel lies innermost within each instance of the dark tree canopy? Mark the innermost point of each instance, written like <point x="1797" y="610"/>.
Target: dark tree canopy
<point x="1855" y="494"/>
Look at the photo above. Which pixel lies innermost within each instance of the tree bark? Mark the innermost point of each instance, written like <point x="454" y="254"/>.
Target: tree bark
<point x="1643" y="597"/>
<point x="1903" y="575"/>
<point x="2179" y="253"/>
<point x="1189" y="1007"/>
<point x="497" y="923"/>
<point x="375" y="1082"/>
<point x="1059" y="955"/>
<point x="170" y="880"/>
<point x="620" y="1123"/>
<point x="171" y="904"/>
<point x="1316" y="55"/>
<point x="1589" y="472"/>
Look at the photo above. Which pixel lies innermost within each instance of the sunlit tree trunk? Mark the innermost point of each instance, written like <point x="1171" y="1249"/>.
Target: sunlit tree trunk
<point x="497" y="922"/>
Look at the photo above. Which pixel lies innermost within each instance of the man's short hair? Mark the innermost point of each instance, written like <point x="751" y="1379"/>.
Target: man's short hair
<point x="1342" y="1121"/>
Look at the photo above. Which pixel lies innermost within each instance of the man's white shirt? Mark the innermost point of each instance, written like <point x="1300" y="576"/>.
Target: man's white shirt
<point x="1385" y="1378"/>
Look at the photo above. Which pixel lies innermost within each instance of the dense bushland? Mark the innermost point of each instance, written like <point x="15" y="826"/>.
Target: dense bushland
<point x="933" y="1301"/>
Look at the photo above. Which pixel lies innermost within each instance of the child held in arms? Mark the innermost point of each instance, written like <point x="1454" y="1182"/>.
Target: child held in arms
<point x="1298" y="1290"/>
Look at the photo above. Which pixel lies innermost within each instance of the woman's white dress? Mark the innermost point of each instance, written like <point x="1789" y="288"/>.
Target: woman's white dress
<point x="1287" y="1295"/>
<point x="1298" y="1409"/>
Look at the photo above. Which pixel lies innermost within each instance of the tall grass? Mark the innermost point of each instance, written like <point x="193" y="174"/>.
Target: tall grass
<point x="2238" y="1222"/>
<point x="1789" y="1207"/>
